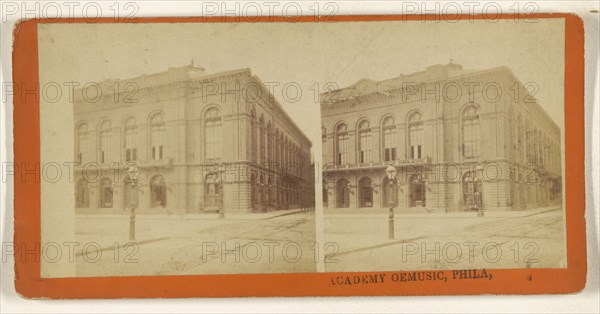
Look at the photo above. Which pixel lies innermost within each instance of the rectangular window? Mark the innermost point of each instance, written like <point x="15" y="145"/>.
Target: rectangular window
<point x="157" y="152"/>
<point x="365" y="147"/>
<point x="263" y="156"/>
<point x="416" y="141"/>
<point x="390" y="154"/>
<point x="342" y="149"/>
<point x="324" y="151"/>
<point x="213" y="138"/>
<point x="470" y="138"/>
<point x="131" y="154"/>
<point x="389" y="144"/>
<point x="82" y="148"/>
<point x="157" y="139"/>
<point x="130" y="145"/>
<point x="105" y="147"/>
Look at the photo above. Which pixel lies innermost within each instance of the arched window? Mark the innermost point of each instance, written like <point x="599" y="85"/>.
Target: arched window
<point x="520" y="138"/>
<point x="253" y="139"/>
<point x="157" y="136"/>
<point x="512" y="133"/>
<point x="341" y="145"/>
<point x="281" y="151"/>
<point x="287" y="152"/>
<point x="130" y="134"/>
<point x="82" y="143"/>
<point x="528" y="143"/>
<point x="105" y="142"/>
<point x="269" y="142"/>
<point x="415" y="136"/>
<point x="262" y="130"/>
<point x="536" y="144"/>
<point x="106" y="193"/>
<point x="276" y="145"/>
<point x="82" y="194"/>
<point x="389" y="139"/>
<point x="470" y="132"/>
<point x="213" y="137"/>
<point x="540" y="145"/>
<point x="324" y="145"/>
<point x="158" y="191"/>
<point x="364" y="142"/>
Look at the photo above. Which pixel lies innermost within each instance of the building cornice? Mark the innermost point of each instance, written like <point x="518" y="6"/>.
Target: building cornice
<point x="395" y="94"/>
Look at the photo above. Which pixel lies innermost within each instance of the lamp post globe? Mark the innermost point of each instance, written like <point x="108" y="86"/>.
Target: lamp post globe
<point x="391" y="171"/>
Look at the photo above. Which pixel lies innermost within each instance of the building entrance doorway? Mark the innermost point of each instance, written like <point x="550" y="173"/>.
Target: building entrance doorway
<point x="106" y="193"/>
<point x="213" y="193"/>
<point x="158" y="192"/>
<point x="343" y="194"/>
<point x="472" y="191"/>
<point x="417" y="191"/>
<point x="366" y="192"/>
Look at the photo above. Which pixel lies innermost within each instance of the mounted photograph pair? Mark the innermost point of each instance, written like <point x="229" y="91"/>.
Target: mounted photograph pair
<point x="370" y="155"/>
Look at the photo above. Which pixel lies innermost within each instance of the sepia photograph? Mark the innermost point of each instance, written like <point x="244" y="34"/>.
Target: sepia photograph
<point x="259" y="155"/>
<point x="433" y="164"/>
<point x="195" y="147"/>
<point x="184" y="162"/>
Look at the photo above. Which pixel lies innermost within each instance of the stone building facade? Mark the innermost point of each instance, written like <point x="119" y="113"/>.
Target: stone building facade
<point x="460" y="140"/>
<point x="193" y="142"/>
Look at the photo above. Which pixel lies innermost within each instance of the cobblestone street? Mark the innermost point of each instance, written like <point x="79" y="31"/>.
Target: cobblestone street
<point x="529" y="239"/>
<point x="178" y="246"/>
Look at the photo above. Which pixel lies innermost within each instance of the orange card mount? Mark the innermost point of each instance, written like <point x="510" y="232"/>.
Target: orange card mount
<point x="32" y="252"/>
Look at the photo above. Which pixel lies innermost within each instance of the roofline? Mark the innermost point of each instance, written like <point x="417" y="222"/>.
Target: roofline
<point x="280" y="107"/>
<point x="454" y="77"/>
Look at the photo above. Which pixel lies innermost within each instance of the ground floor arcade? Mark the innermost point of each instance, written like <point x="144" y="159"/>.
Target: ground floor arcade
<point x="243" y="188"/>
<point x="442" y="188"/>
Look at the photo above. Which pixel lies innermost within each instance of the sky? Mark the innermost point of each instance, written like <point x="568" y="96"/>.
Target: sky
<point x="310" y="54"/>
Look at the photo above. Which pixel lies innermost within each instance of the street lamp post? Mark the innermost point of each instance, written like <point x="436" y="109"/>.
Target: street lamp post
<point x="133" y="181"/>
<point x="391" y="175"/>
<point x="268" y="196"/>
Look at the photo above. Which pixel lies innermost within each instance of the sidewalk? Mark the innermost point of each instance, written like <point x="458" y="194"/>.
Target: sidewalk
<point x="109" y="232"/>
<point x="380" y="212"/>
<point x="199" y="216"/>
<point x="367" y="238"/>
